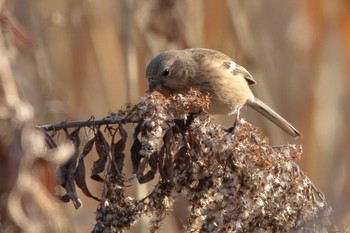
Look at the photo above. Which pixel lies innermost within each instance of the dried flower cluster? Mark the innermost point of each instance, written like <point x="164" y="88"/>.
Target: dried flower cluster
<point x="234" y="180"/>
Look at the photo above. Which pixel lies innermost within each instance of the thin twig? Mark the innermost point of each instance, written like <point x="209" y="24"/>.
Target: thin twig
<point x="112" y="119"/>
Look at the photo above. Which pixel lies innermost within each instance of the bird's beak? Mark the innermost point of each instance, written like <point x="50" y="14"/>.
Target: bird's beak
<point x="152" y="86"/>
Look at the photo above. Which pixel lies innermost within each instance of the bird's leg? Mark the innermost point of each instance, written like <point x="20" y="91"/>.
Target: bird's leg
<point x="236" y="119"/>
<point x="235" y="123"/>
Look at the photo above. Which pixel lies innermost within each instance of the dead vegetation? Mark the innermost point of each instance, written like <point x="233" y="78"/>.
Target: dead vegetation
<point x="233" y="180"/>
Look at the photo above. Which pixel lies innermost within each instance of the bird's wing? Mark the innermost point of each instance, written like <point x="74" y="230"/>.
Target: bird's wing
<point x="222" y="58"/>
<point x="237" y="69"/>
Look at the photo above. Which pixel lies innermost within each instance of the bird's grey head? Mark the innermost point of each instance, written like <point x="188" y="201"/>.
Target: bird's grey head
<point x="169" y="71"/>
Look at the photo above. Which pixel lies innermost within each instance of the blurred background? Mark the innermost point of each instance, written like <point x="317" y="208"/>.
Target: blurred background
<point x="79" y="58"/>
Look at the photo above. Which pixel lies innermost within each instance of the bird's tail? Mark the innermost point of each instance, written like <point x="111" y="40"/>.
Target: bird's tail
<point x="273" y="116"/>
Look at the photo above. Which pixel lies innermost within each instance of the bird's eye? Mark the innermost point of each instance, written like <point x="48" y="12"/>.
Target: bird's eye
<point x="165" y="72"/>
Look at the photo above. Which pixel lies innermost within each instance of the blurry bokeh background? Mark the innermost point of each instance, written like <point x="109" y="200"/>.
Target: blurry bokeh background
<point x="88" y="57"/>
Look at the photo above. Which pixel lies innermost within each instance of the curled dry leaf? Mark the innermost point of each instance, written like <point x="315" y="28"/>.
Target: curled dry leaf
<point x="79" y="175"/>
<point x="117" y="162"/>
<point x="102" y="149"/>
<point x="65" y="173"/>
<point x="135" y="155"/>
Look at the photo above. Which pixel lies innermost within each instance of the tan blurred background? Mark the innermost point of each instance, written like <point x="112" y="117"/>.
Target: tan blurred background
<point x="88" y="58"/>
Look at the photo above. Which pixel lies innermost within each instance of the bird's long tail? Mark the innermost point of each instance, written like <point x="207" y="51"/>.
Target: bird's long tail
<point x="273" y="116"/>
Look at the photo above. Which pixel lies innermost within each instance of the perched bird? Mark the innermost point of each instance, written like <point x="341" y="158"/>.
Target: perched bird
<point x="213" y="72"/>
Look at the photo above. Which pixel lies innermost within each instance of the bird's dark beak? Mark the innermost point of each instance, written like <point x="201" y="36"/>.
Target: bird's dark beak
<point x="152" y="86"/>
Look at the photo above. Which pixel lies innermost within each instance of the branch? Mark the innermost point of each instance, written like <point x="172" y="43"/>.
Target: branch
<point x="111" y="119"/>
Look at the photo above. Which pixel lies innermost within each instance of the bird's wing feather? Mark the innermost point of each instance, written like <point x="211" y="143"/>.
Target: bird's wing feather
<point x="226" y="61"/>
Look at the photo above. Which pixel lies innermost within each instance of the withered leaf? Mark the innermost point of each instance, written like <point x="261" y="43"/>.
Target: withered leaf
<point x="147" y="177"/>
<point x="118" y="158"/>
<point x="48" y="139"/>
<point x="123" y="133"/>
<point x="117" y="166"/>
<point x="102" y="149"/>
<point x="169" y="166"/>
<point x="165" y="158"/>
<point x="181" y="158"/>
<point x="142" y="168"/>
<point x="63" y="198"/>
<point x="120" y="161"/>
<point x="61" y="174"/>
<point x="135" y="155"/>
<point x="72" y="194"/>
<point x="137" y="129"/>
<point x="65" y="173"/>
<point x="168" y="140"/>
<point x="153" y="161"/>
<point x="66" y="170"/>
<point x="79" y="175"/>
<point x="74" y="137"/>
<point x="118" y="147"/>
<point x="180" y="152"/>
<point x="162" y="173"/>
<point x="88" y="146"/>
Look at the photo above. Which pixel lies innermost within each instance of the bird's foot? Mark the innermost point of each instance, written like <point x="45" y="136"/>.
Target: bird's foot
<point x="234" y="126"/>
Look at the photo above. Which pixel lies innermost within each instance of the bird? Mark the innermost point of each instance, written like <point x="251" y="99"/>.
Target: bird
<point x="210" y="71"/>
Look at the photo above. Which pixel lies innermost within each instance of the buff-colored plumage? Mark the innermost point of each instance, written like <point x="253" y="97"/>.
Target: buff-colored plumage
<point x="213" y="72"/>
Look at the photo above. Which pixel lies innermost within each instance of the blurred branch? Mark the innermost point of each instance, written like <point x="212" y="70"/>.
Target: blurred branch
<point x="8" y="91"/>
<point x="25" y="203"/>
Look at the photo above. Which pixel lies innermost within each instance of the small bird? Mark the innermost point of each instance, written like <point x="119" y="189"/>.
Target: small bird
<point x="210" y="71"/>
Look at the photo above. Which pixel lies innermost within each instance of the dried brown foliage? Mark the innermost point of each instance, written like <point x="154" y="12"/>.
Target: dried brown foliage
<point x="234" y="181"/>
<point x="23" y="160"/>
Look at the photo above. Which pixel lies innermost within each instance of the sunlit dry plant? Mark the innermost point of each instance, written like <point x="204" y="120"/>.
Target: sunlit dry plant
<point x="235" y="180"/>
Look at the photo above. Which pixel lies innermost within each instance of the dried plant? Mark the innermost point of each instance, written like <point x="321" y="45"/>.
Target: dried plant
<point x="235" y="180"/>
